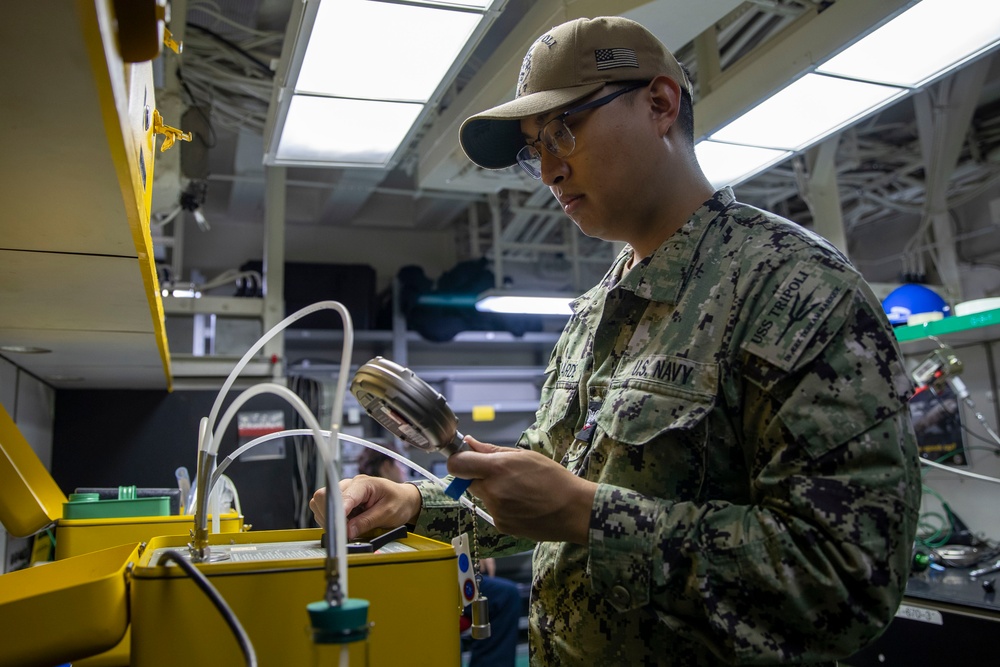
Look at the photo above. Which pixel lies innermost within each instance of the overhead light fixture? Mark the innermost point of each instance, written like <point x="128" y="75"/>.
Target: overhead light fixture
<point x="524" y="303"/>
<point x="724" y="164"/>
<point x="344" y="140"/>
<point x="923" y="43"/>
<point x="805" y="111"/>
<point x="913" y="49"/>
<point x="181" y="293"/>
<point x="360" y="75"/>
<point x="24" y="349"/>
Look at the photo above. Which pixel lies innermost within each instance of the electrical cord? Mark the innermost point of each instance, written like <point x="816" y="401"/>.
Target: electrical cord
<point x="310" y="390"/>
<point x="224" y="278"/>
<point x="941" y="532"/>
<point x="956" y="418"/>
<point x="213" y="10"/>
<point x="213" y="139"/>
<point x="246" y="646"/>
<point x="217" y="75"/>
<point x="964" y="473"/>
<point x="939" y="535"/>
<point x="262" y="66"/>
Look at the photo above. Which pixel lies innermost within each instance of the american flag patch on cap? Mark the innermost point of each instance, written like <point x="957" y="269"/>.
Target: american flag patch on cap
<point x="612" y="58"/>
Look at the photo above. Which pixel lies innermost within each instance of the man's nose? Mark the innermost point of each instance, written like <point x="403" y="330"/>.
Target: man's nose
<point x="554" y="169"/>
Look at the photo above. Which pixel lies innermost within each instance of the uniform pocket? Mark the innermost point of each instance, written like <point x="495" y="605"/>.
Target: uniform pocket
<point x="657" y="394"/>
<point x="654" y="439"/>
<point x="561" y="405"/>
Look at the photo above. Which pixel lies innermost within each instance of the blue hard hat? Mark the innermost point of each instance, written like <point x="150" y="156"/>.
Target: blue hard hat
<point x="907" y="300"/>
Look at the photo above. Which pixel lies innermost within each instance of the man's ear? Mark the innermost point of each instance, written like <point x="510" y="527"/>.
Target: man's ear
<point x="665" y="95"/>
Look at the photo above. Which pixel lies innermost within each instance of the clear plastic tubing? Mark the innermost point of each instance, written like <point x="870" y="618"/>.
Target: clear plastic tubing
<point x="208" y="445"/>
<point x="350" y="438"/>
<point x="320" y="437"/>
<point x="212" y="446"/>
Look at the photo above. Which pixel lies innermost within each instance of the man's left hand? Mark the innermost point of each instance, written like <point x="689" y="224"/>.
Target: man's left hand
<point x="528" y="494"/>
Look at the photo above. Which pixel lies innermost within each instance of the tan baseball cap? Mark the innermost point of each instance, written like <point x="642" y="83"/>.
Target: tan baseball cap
<point x="564" y="65"/>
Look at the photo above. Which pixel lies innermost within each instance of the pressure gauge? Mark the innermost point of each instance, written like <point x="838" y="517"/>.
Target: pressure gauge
<point x="410" y="409"/>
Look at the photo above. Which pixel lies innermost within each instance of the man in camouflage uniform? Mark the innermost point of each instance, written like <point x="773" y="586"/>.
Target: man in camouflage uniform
<point x="722" y="468"/>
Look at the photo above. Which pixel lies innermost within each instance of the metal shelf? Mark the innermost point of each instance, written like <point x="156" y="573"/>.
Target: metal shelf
<point x="335" y="336"/>
<point x="959" y="330"/>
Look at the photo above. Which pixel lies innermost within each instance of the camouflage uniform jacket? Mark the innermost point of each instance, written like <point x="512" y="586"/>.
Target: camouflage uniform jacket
<point x="739" y="399"/>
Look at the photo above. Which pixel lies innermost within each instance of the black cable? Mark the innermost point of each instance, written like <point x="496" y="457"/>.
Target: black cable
<point x="227" y="614"/>
<point x="201" y="112"/>
<point x="298" y="483"/>
<point x="246" y="54"/>
<point x="956" y="417"/>
<point x="310" y="391"/>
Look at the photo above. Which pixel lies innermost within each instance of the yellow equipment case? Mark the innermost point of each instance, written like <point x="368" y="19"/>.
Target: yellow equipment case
<point x="107" y="600"/>
<point x="271" y="576"/>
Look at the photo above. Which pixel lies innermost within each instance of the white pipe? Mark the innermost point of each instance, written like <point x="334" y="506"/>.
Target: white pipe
<point x="321" y="438"/>
<point x="208" y="441"/>
<point x="212" y="446"/>
<point x="964" y="473"/>
<point x="350" y="438"/>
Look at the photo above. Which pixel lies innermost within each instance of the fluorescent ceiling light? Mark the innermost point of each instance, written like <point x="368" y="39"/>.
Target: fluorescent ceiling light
<point x="382" y="50"/>
<point x="525" y="303"/>
<point x="360" y="74"/>
<point x="182" y="293"/>
<point x="343" y="131"/>
<point x="24" y="349"/>
<point x="477" y="4"/>
<point x="731" y="164"/>
<point x="922" y="43"/>
<point x="806" y="111"/>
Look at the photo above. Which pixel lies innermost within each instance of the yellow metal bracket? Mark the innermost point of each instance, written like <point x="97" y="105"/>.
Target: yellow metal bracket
<point x="171" y="43"/>
<point x="170" y="134"/>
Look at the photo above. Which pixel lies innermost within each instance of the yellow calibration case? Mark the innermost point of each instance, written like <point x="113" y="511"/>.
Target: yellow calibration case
<point x="109" y="602"/>
<point x="71" y="608"/>
<point x="269" y="577"/>
<point x="30" y="501"/>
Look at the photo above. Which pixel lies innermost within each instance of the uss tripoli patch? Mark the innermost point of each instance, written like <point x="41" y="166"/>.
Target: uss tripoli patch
<point x="795" y="312"/>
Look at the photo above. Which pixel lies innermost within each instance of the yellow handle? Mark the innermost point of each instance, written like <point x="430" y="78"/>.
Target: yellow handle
<point x="170" y="134"/>
<point x="171" y="43"/>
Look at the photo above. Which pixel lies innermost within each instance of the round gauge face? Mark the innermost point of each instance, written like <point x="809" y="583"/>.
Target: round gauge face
<point x="404" y="404"/>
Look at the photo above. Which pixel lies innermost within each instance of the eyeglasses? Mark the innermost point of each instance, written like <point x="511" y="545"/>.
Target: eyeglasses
<point x="556" y="136"/>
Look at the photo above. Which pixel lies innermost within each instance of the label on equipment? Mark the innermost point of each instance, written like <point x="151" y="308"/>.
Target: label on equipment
<point x="920" y="614"/>
<point x="399" y="425"/>
<point x="466" y="572"/>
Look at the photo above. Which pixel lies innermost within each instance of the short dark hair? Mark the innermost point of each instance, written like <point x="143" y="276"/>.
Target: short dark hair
<point x="685" y="117"/>
<point x="370" y="461"/>
<point x="685" y="114"/>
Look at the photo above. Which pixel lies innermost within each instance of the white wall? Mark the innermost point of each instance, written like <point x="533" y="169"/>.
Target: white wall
<point x="8" y="385"/>
<point x="31" y="403"/>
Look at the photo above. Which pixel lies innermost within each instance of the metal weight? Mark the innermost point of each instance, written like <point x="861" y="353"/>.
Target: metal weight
<point x="480" y="618"/>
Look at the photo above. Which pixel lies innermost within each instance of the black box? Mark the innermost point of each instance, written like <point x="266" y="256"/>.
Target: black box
<point x="306" y="283"/>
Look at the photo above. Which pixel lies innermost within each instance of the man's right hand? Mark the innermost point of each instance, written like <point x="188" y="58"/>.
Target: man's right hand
<point x="371" y="502"/>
